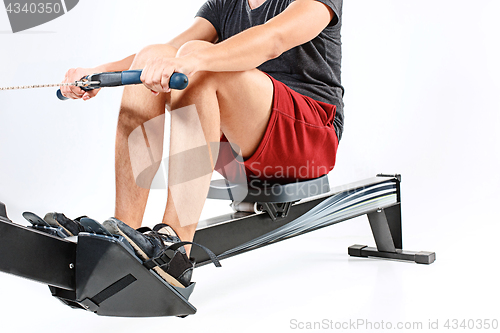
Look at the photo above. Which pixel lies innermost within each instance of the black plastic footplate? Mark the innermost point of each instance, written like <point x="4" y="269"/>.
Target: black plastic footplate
<point x="93" y="272"/>
<point x="111" y="281"/>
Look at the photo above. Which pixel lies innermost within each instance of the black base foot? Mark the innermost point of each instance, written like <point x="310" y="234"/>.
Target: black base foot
<point x="418" y="257"/>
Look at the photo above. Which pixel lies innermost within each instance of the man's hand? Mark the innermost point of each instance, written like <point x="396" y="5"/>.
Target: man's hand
<point x="75" y="74"/>
<point x="157" y="71"/>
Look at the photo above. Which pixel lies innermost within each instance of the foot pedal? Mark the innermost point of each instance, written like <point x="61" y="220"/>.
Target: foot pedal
<point x="40" y="224"/>
<point x="112" y="281"/>
<point x="94" y="227"/>
<point x="98" y="272"/>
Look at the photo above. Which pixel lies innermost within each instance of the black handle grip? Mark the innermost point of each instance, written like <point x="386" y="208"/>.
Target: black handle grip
<point x="178" y="81"/>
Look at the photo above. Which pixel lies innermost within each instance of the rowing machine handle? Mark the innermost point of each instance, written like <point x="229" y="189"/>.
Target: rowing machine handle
<point x="178" y="81"/>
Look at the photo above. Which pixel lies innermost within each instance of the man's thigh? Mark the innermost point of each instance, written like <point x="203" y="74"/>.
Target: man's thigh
<point x="245" y="102"/>
<point x="244" y="98"/>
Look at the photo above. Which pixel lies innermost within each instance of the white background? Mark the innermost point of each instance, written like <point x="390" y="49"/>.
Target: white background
<point x="421" y="81"/>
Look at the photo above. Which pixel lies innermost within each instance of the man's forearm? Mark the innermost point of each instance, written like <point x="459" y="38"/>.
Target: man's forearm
<point x="122" y="65"/>
<point x="244" y="51"/>
<point x="252" y="47"/>
<point x="116" y="66"/>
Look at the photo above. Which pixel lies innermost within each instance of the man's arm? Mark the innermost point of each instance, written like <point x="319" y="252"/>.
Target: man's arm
<point x="201" y="29"/>
<point x="302" y="21"/>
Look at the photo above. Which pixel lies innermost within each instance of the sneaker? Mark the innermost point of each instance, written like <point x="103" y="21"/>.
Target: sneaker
<point x="72" y="227"/>
<point x="160" y="249"/>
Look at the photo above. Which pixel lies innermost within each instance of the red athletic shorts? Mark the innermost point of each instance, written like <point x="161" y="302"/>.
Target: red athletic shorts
<point x="299" y="142"/>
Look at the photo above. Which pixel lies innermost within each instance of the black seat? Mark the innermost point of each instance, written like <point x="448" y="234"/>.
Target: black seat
<point x="268" y="192"/>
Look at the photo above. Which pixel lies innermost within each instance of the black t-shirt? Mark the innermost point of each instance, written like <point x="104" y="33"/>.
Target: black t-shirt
<point x="312" y="69"/>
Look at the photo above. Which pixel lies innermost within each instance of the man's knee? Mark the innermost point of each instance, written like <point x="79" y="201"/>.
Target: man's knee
<point x="153" y="51"/>
<point x="193" y="45"/>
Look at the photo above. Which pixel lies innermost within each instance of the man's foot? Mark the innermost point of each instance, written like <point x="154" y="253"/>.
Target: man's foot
<point x="152" y="246"/>
<point x="72" y="227"/>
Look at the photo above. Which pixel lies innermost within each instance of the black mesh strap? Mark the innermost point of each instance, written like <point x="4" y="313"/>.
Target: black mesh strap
<point x="167" y="255"/>
<point x="159" y="261"/>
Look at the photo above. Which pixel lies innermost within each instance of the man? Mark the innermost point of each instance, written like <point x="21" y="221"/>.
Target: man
<point x="264" y="75"/>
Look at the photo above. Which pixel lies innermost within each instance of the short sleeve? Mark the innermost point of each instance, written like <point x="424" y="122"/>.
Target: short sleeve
<point x="336" y="6"/>
<point x="212" y="11"/>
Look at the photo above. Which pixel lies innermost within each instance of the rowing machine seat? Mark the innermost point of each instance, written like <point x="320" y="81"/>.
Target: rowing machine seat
<point x="263" y="191"/>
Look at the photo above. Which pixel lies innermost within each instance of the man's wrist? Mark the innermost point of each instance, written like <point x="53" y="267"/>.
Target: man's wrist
<point x="200" y="61"/>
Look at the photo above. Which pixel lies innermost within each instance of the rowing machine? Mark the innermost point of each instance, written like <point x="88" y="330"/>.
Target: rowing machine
<point x="100" y="273"/>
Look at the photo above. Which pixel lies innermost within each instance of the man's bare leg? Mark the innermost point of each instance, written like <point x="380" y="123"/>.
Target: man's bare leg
<point x="137" y="107"/>
<point x="238" y="103"/>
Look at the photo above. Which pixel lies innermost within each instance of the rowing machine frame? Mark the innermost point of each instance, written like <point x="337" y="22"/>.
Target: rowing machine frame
<point x="101" y="273"/>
